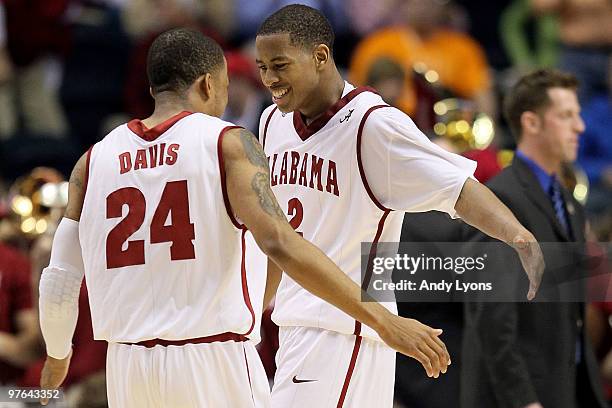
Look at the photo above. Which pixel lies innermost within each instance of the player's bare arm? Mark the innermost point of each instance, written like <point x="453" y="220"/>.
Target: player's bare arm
<point x="252" y="200"/>
<point x="479" y="207"/>
<point x="75" y="189"/>
<point x="273" y="279"/>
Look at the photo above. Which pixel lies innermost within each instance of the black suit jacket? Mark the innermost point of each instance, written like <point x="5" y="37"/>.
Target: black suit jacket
<point x="518" y="353"/>
<point x="412" y="386"/>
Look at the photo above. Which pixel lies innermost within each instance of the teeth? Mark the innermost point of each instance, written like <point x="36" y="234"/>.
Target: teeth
<point x="279" y="94"/>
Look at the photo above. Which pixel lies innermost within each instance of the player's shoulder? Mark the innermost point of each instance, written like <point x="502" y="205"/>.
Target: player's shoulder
<point x="270" y="110"/>
<point x="364" y="98"/>
<point x="380" y="112"/>
<point x="267" y="115"/>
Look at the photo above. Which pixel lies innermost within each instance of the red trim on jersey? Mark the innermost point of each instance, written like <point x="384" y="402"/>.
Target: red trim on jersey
<point x="349" y="372"/>
<point x="149" y="135"/>
<point x="226" y="201"/>
<point x="305" y="131"/>
<point x="265" y="132"/>
<point x="359" y="161"/>
<point x="86" y="181"/>
<point x="371" y="256"/>
<point x="246" y="361"/>
<point x="208" y="339"/>
<point x="245" y="286"/>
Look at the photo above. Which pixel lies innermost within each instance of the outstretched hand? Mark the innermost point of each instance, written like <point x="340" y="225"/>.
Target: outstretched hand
<point x="530" y="253"/>
<point x="414" y="339"/>
<point x="53" y="374"/>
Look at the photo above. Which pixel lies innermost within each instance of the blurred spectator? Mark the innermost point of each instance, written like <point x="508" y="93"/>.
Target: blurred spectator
<point x="530" y="40"/>
<point x="19" y="334"/>
<point x="366" y="15"/>
<point x="36" y="37"/>
<point x="250" y="14"/>
<point x="387" y="77"/>
<point x="5" y="62"/>
<point x="246" y="100"/>
<point x="483" y="23"/>
<point x="89" y="356"/>
<point x="457" y="60"/>
<point x="144" y="26"/>
<point x="7" y="119"/>
<point x="94" y="70"/>
<point x="599" y="314"/>
<point x="142" y="18"/>
<point x="585" y="29"/>
<point x="595" y="154"/>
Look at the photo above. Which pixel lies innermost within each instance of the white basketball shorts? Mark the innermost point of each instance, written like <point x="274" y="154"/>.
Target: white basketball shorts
<point x="325" y="369"/>
<point x="207" y="375"/>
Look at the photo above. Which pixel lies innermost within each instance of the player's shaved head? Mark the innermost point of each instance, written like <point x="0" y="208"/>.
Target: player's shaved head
<point x="178" y="57"/>
<point x="306" y="26"/>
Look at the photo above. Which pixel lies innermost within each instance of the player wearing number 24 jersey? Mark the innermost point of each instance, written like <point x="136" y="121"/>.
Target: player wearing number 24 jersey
<point x="341" y="162"/>
<point x="157" y="220"/>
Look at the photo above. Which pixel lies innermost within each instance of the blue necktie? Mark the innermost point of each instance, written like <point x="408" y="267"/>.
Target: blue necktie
<point x="558" y="203"/>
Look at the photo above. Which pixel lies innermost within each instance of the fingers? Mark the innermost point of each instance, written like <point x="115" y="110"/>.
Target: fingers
<point x="440" y="348"/>
<point x="425" y="362"/>
<point x="532" y="291"/>
<point x="432" y="354"/>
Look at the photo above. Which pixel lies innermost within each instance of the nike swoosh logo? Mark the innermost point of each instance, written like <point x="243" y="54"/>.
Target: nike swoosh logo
<point x="296" y="381"/>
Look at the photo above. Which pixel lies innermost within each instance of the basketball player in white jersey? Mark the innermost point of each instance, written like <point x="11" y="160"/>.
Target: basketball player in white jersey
<point x="156" y="220"/>
<point x="341" y="162"/>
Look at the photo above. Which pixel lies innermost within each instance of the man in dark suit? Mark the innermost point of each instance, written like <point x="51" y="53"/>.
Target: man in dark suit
<point x="534" y="355"/>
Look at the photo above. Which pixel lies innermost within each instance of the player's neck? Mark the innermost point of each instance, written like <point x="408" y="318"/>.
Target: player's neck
<point x="329" y="93"/>
<point x="167" y="105"/>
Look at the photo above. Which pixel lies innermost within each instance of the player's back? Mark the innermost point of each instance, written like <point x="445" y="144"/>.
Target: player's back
<point x="163" y="256"/>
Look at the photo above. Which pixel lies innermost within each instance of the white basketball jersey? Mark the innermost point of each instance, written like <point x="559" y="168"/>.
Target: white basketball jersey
<point x="318" y="179"/>
<point x="164" y="257"/>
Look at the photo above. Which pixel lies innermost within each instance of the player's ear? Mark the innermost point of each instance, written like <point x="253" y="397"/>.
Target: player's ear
<point x="151" y="92"/>
<point x="204" y="85"/>
<point x="322" y="55"/>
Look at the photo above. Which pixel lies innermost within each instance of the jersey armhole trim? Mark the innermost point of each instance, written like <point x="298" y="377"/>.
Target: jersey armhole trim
<point x="265" y="132"/>
<point x="359" y="159"/>
<point x="245" y="284"/>
<point x="226" y="202"/>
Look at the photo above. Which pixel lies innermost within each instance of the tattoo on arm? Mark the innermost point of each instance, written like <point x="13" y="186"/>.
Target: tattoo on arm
<point x="253" y="149"/>
<point x="76" y="178"/>
<point x="261" y="186"/>
<point x="75" y="191"/>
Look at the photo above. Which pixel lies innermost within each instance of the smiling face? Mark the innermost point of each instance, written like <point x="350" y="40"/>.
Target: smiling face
<point x="561" y="125"/>
<point x="290" y="72"/>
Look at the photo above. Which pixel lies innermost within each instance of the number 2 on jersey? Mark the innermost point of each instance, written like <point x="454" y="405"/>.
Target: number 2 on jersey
<point x="296" y="209"/>
<point x="174" y="202"/>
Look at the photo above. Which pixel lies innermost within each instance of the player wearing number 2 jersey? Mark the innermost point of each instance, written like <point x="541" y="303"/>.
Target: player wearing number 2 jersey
<point x="157" y="221"/>
<point x="341" y="161"/>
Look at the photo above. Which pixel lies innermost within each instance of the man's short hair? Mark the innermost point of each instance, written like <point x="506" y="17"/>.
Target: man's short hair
<point x="178" y="57"/>
<point x="530" y="94"/>
<point x="306" y="26"/>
